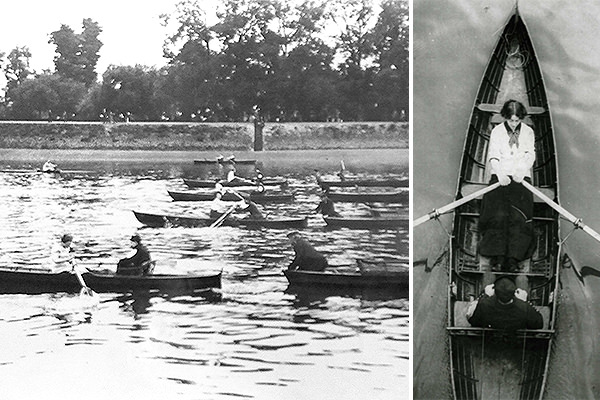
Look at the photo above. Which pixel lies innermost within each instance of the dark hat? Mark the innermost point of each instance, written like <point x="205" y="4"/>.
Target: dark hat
<point x="66" y="238"/>
<point x="504" y="289"/>
<point x="136" y="238"/>
<point x="293" y="234"/>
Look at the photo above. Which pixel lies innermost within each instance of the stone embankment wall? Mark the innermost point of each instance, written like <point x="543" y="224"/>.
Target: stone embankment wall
<point x="201" y="136"/>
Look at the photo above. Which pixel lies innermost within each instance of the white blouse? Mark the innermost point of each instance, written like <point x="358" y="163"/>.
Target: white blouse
<point x="515" y="159"/>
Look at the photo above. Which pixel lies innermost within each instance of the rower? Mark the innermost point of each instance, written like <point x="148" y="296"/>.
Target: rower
<point x="49" y="166"/>
<point x="251" y="208"/>
<point x="326" y="206"/>
<point x="61" y="256"/>
<point x="139" y="263"/>
<point x="307" y="257"/>
<point x="218" y="206"/>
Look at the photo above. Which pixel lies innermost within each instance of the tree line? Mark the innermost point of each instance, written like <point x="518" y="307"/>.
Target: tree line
<point x="267" y="60"/>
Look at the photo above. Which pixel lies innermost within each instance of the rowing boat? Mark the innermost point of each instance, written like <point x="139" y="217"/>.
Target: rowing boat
<point x="382" y="222"/>
<point x="161" y="220"/>
<point x="31" y="281"/>
<point x="206" y="161"/>
<point x="207" y="183"/>
<point x="395" y="196"/>
<point x="364" y="182"/>
<point x="390" y="275"/>
<point x="485" y="363"/>
<point x="254" y="196"/>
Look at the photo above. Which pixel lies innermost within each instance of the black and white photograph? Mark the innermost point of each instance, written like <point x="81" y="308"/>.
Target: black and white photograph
<point x="505" y="238"/>
<point x="205" y="200"/>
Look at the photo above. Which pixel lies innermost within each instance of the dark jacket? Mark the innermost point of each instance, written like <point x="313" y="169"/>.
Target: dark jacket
<point x="519" y="314"/>
<point x="307" y="258"/>
<point x="327" y="208"/>
<point x="134" y="264"/>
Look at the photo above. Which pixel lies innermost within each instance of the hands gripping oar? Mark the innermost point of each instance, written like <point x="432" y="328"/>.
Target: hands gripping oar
<point x="449" y="207"/>
<point x="219" y="221"/>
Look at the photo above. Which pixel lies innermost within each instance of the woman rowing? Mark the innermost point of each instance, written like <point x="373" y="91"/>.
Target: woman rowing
<point x="505" y="222"/>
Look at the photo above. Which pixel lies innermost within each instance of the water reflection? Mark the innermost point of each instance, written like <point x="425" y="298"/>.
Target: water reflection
<point x="254" y="338"/>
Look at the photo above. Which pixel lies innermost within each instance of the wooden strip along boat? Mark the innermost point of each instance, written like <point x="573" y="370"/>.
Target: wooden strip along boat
<point x="207" y="183"/>
<point x="224" y="161"/>
<point x="255" y="197"/>
<point x="484" y="363"/>
<point x="365" y="182"/>
<point x="30" y="281"/>
<point x="161" y="220"/>
<point x="396" y="196"/>
<point x="383" y="222"/>
<point x="395" y="276"/>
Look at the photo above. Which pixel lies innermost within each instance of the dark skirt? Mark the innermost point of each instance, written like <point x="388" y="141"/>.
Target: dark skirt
<point x="505" y="222"/>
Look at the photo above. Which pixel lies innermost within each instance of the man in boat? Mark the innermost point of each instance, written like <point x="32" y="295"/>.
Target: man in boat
<point x="326" y="206"/>
<point x="307" y="257"/>
<point x="504" y="309"/>
<point x="251" y="208"/>
<point x="61" y="256"/>
<point x="139" y="263"/>
<point x="506" y="215"/>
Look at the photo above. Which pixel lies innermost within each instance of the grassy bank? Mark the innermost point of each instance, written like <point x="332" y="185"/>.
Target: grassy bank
<point x="201" y="136"/>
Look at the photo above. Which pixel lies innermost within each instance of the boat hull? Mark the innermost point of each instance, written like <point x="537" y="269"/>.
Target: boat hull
<point x="255" y="197"/>
<point x="395" y="281"/>
<point x="387" y="222"/>
<point x="400" y="196"/>
<point x="30" y="282"/>
<point x="199" y="183"/>
<point x="161" y="220"/>
<point x="224" y="162"/>
<point x="396" y="183"/>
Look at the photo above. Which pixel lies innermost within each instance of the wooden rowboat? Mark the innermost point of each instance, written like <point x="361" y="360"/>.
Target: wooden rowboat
<point x="30" y="281"/>
<point x="395" y="276"/>
<point x="396" y="196"/>
<point x="255" y="197"/>
<point x="364" y="182"/>
<point x="207" y="183"/>
<point x="383" y="222"/>
<point x="161" y="220"/>
<point x="485" y="364"/>
<point x="217" y="161"/>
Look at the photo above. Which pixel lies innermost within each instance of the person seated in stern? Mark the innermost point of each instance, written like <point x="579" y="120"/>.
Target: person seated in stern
<point x="326" y="206"/>
<point x="139" y="263"/>
<point x="307" y="258"/>
<point x="61" y="256"/>
<point x="504" y="307"/>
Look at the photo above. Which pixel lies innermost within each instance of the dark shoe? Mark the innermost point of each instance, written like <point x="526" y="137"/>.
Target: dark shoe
<point x="497" y="263"/>
<point x="513" y="265"/>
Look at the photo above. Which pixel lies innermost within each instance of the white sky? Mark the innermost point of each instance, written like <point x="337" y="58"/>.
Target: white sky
<point x="132" y="33"/>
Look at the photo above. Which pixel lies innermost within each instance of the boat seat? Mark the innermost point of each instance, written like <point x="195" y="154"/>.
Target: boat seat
<point x="495" y="108"/>
<point x="460" y="314"/>
<point x="470" y="188"/>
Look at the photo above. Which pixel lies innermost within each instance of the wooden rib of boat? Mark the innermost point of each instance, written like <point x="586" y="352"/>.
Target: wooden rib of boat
<point x="254" y="196"/>
<point x="207" y="183"/>
<point x="364" y="182"/>
<point x="396" y="196"/>
<point x="224" y="161"/>
<point x="484" y="363"/>
<point x="383" y="222"/>
<point x="389" y="275"/>
<point x="30" y="281"/>
<point x="162" y="220"/>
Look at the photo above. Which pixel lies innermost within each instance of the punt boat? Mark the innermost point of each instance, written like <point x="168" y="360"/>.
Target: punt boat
<point x="162" y="220"/>
<point x="485" y="363"/>
<point x="208" y="183"/>
<point x="382" y="222"/>
<point x="35" y="280"/>
<point x="365" y="274"/>
<point x="364" y="182"/>
<point x="395" y="196"/>
<point x="254" y="196"/>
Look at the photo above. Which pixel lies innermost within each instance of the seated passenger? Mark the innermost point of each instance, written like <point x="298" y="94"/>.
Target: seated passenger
<point x="504" y="309"/>
<point x="138" y="264"/>
<point x="307" y="258"/>
<point x="251" y="208"/>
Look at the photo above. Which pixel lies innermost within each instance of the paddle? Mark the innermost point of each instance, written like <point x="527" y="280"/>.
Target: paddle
<point x="574" y="220"/>
<point x="85" y="289"/>
<point x="449" y="207"/>
<point x="219" y="221"/>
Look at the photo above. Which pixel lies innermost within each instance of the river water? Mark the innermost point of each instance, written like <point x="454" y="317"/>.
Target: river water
<point x="253" y="339"/>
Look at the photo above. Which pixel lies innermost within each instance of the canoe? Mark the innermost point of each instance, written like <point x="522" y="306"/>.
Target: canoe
<point x="364" y="182"/>
<point x="396" y="196"/>
<point x="30" y="281"/>
<point x="383" y="222"/>
<point x="161" y="220"/>
<point x="223" y="161"/>
<point x="207" y="183"/>
<point x="394" y="276"/>
<point x="255" y="197"/>
<point x="485" y="363"/>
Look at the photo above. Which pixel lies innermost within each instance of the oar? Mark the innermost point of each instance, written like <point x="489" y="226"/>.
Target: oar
<point x="449" y="207"/>
<point x="85" y="289"/>
<point x="574" y="220"/>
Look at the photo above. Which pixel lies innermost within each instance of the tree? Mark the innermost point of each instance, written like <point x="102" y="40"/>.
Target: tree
<point x="16" y="70"/>
<point x="77" y="54"/>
